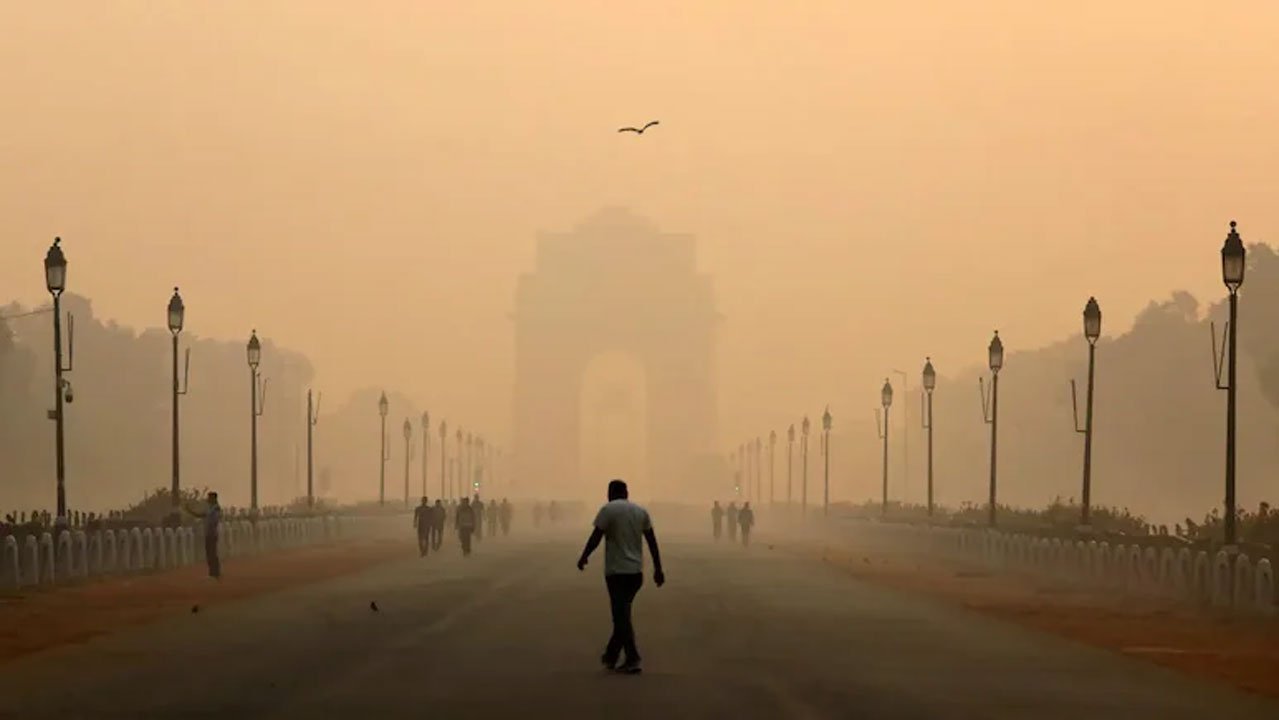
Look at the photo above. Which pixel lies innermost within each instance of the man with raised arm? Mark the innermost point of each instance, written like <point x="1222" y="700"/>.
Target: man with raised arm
<point x="621" y="524"/>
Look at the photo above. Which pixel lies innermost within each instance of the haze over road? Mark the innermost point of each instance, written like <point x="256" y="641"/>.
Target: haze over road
<point x="515" y="631"/>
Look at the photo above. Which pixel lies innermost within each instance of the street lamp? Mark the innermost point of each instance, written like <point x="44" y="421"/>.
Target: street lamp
<point x="790" y="462"/>
<point x="803" y="450"/>
<point x="759" y="473"/>
<point x="408" y="456"/>
<point x="826" y="422"/>
<point x="1233" y="257"/>
<point x="257" y="405"/>
<point x="55" y="280"/>
<point x="990" y="412"/>
<point x="458" y="468"/>
<point x="772" y="452"/>
<point x="929" y="382"/>
<point x="312" y="418"/>
<point x="382" y="408"/>
<point x="885" y="401"/>
<point x="426" y="448"/>
<point x="444" y="455"/>
<point x="470" y="460"/>
<point x="1092" y="331"/>
<point x="177" y="315"/>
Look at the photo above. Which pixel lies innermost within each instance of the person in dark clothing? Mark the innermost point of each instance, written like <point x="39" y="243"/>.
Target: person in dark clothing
<point x="464" y="521"/>
<point x="477" y="506"/>
<point x="732" y="521"/>
<point x="622" y="524"/>
<point x="424" y="523"/>
<point x="746" y="518"/>
<point x="437" y="525"/>
<point x="212" y="517"/>
<point x="491" y="515"/>
<point x="717" y="519"/>
<point x="504" y="512"/>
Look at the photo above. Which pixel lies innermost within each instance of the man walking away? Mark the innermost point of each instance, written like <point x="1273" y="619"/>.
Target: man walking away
<point x="437" y="525"/>
<point x="477" y="506"/>
<point x="464" y="521"/>
<point x="491" y="516"/>
<point x="747" y="518"/>
<point x="505" y="513"/>
<point x="732" y="522"/>
<point x="424" y="522"/>
<point x="717" y="520"/>
<point x="212" y="517"/>
<point x="621" y="524"/>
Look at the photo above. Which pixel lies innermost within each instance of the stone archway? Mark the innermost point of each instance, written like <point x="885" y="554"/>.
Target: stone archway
<point x="615" y="283"/>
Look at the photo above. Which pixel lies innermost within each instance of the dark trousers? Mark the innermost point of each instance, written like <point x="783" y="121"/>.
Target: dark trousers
<point x="437" y="536"/>
<point x="464" y="534"/>
<point x="621" y="594"/>
<point x="746" y="534"/>
<point x="211" y="555"/>
<point x="718" y="526"/>
<point x="424" y="540"/>
<point x="732" y="529"/>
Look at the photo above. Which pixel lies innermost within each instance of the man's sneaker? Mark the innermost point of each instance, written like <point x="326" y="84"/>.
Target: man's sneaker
<point x="630" y="667"/>
<point x="609" y="664"/>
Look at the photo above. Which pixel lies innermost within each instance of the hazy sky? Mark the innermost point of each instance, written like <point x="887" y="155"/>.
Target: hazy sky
<point x="869" y="182"/>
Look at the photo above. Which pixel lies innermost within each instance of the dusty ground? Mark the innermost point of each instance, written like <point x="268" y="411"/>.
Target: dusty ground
<point x="1241" y="652"/>
<point x="38" y="619"/>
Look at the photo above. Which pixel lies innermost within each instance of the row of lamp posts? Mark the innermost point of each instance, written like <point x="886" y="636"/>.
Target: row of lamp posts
<point x="748" y="461"/>
<point x="476" y="461"/>
<point x="1233" y="265"/>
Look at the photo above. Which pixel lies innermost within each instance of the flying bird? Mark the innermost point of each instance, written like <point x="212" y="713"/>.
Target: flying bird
<point x="638" y="131"/>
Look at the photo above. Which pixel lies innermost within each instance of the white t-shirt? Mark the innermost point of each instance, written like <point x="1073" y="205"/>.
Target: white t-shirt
<point x="623" y="524"/>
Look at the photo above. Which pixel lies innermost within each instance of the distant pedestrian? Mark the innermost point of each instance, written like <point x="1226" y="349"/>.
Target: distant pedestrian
<point x="437" y="525"/>
<point x="491" y="515"/>
<point x="464" y="521"/>
<point x="212" y="517"/>
<point x="747" y="520"/>
<point x="621" y="524"/>
<point x="553" y="512"/>
<point x="424" y="523"/>
<point x="537" y="515"/>
<point x="504" y="512"/>
<point x="732" y="521"/>
<point x="477" y="505"/>
<point x="717" y="520"/>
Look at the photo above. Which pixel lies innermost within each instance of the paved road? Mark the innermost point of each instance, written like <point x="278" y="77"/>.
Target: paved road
<point x="514" y="632"/>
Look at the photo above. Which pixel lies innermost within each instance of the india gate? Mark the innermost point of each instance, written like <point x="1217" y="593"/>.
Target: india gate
<point x="616" y="284"/>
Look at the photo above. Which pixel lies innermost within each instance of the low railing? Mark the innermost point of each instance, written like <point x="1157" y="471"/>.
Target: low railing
<point x="1238" y="583"/>
<point x="76" y="554"/>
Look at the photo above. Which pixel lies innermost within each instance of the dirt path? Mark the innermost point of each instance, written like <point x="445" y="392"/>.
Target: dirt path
<point x="1242" y="652"/>
<point x="39" y="619"/>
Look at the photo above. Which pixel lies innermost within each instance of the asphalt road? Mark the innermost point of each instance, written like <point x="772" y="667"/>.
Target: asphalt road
<point x="515" y="632"/>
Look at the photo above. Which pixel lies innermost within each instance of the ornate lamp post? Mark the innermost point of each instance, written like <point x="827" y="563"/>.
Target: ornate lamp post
<point x="444" y="455"/>
<point x="990" y="413"/>
<point x="1092" y="331"/>
<point x="885" y="401"/>
<point x="257" y="405"/>
<point x="826" y="422"/>
<point x="177" y="315"/>
<point x="759" y="470"/>
<point x="772" y="452"/>
<point x="470" y="461"/>
<point x="426" y="447"/>
<point x="458" y="467"/>
<point x="1233" y="257"/>
<point x="803" y="449"/>
<point x="312" y="418"/>
<point x="55" y="280"/>
<point x="737" y="477"/>
<point x="382" y="408"/>
<point x="929" y="382"/>
<point x="408" y="456"/>
<point x="790" y="462"/>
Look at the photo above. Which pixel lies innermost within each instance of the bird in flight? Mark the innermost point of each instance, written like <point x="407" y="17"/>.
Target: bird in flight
<point x="638" y="131"/>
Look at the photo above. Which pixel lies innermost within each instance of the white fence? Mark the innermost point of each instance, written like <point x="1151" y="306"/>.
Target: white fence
<point x="1244" y="586"/>
<point x="76" y="554"/>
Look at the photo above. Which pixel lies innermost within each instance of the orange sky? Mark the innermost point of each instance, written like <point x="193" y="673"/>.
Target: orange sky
<point x="869" y="182"/>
